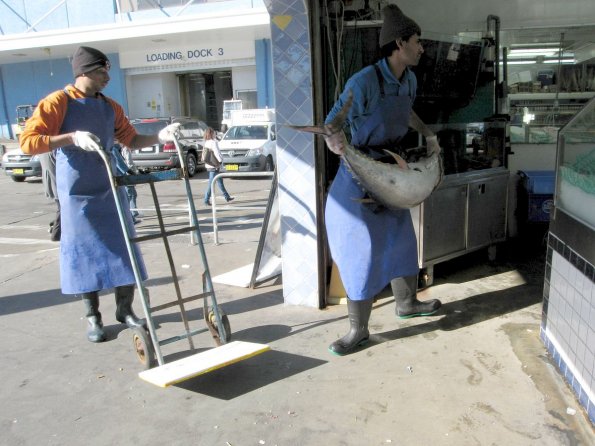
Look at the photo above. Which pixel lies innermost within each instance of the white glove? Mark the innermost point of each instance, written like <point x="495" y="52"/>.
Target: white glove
<point x="87" y="141"/>
<point x="432" y="144"/>
<point x="168" y="133"/>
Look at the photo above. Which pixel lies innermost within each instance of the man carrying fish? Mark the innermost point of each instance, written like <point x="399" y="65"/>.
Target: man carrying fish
<point x="375" y="245"/>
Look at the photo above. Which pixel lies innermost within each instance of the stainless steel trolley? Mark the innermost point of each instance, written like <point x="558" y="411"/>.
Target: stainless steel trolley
<point x="147" y="344"/>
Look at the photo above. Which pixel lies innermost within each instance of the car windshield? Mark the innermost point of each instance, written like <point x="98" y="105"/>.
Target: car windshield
<point x="149" y="127"/>
<point x="247" y="132"/>
<point x="193" y="129"/>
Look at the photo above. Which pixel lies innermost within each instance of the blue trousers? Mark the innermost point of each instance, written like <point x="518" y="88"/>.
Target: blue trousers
<point x="131" y="192"/>
<point x="212" y="174"/>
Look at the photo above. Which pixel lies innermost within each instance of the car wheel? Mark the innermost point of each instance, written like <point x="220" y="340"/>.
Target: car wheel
<point x="191" y="164"/>
<point x="18" y="179"/>
<point x="269" y="166"/>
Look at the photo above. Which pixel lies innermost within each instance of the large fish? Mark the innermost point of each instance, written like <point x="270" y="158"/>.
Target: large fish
<point x="397" y="185"/>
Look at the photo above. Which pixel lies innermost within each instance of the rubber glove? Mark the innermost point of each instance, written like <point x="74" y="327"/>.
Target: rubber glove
<point x="87" y="141"/>
<point x="432" y="144"/>
<point x="168" y="133"/>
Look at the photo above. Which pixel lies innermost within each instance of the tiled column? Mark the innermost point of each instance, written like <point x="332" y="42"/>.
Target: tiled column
<point x="292" y="70"/>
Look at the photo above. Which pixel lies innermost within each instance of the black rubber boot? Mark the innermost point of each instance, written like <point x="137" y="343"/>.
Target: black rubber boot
<point x="95" y="331"/>
<point x="359" y="315"/>
<point x="405" y="291"/>
<point x="124" y="313"/>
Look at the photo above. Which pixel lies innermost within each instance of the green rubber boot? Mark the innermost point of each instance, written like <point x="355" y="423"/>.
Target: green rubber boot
<point x="407" y="305"/>
<point x="124" y="313"/>
<point x="95" y="332"/>
<point x="358" y="335"/>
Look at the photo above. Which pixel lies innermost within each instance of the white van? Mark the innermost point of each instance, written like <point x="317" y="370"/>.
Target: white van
<point x="249" y="145"/>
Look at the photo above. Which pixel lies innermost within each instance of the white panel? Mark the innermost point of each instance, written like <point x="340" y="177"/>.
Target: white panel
<point x="532" y="157"/>
<point x="145" y="96"/>
<point x="171" y="98"/>
<point x="244" y="78"/>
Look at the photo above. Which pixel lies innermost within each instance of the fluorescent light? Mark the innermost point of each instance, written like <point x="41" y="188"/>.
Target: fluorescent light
<point x="532" y="62"/>
<point x="523" y="52"/>
<point x="564" y="61"/>
<point x="533" y="50"/>
<point x="519" y="62"/>
<point x="527" y="117"/>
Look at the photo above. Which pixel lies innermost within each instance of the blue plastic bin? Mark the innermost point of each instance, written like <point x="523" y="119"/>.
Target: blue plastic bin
<point x="536" y="195"/>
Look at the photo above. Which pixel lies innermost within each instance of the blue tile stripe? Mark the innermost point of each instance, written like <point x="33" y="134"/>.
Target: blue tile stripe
<point x="570" y="371"/>
<point x="567" y="371"/>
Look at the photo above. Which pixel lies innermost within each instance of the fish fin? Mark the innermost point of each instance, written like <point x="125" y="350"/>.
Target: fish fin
<point x="338" y="121"/>
<point x="316" y="129"/>
<point x="400" y="161"/>
<point x="335" y="126"/>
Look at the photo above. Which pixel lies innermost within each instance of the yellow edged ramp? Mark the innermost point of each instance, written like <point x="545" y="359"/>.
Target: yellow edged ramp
<point x="200" y="363"/>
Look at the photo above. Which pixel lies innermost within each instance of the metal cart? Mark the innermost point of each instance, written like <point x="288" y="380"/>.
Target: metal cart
<point x="147" y="344"/>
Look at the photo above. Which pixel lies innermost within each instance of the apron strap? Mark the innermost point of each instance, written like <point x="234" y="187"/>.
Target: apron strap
<point x="380" y="80"/>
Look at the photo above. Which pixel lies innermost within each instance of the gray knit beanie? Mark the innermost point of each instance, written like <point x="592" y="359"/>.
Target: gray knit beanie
<point x="396" y="25"/>
<point x="86" y="59"/>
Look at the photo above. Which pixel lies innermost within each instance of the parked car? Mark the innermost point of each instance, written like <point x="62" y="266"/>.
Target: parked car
<point x="250" y="143"/>
<point x="18" y="165"/>
<point x="165" y="156"/>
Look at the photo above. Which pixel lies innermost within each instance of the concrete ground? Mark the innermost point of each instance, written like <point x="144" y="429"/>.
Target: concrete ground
<point x="474" y="374"/>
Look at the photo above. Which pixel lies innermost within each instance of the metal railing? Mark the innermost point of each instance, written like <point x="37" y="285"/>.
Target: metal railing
<point x="235" y="207"/>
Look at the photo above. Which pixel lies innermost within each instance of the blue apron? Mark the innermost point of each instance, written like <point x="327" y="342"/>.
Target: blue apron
<point x="93" y="254"/>
<point x="371" y="247"/>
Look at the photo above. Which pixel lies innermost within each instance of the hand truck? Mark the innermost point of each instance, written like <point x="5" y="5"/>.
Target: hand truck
<point x="146" y="343"/>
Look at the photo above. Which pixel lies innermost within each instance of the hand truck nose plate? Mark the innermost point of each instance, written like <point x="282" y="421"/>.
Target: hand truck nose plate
<point x="200" y="363"/>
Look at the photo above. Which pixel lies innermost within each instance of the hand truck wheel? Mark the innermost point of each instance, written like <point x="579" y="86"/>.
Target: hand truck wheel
<point x="212" y="321"/>
<point x="143" y="347"/>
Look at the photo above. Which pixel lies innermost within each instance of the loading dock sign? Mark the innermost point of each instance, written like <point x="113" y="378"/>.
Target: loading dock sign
<point x="169" y="56"/>
<point x="186" y="55"/>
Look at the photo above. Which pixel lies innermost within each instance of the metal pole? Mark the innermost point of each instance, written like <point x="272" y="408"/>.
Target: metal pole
<point x="263" y="232"/>
<point x="229" y="175"/>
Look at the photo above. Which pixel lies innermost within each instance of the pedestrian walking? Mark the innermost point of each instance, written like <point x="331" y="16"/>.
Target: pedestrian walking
<point x="211" y="156"/>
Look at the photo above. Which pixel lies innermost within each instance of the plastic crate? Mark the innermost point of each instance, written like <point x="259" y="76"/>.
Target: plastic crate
<point x="539" y="207"/>
<point x="536" y="194"/>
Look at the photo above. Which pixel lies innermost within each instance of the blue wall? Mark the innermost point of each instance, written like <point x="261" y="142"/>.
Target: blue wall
<point x="264" y="74"/>
<point x="28" y="83"/>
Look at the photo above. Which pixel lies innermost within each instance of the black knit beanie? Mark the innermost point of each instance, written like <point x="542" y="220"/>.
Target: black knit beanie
<point x="396" y="25"/>
<point x="86" y="59"/>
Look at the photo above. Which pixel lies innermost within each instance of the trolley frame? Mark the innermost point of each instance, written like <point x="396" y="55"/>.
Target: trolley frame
<point x="220" y="330"/>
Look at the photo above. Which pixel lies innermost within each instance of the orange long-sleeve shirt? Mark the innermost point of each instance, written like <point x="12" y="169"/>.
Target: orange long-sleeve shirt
<point x="47" y="120"/>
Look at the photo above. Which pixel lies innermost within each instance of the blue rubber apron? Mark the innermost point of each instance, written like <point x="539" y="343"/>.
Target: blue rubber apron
<point x="371" y="247"/>
<point x="93" y="254"/>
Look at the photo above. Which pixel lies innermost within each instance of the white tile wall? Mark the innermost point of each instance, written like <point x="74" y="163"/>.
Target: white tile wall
<point x="568" y="324"/>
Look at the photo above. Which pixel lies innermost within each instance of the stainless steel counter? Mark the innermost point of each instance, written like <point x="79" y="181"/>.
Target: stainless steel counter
<point x="467" y="212"/>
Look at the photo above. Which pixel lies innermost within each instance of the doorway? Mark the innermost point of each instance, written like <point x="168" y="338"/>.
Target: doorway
<point x="202" y="95"/>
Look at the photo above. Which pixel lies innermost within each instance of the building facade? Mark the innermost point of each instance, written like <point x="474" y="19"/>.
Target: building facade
<point x="168" y="58"/>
